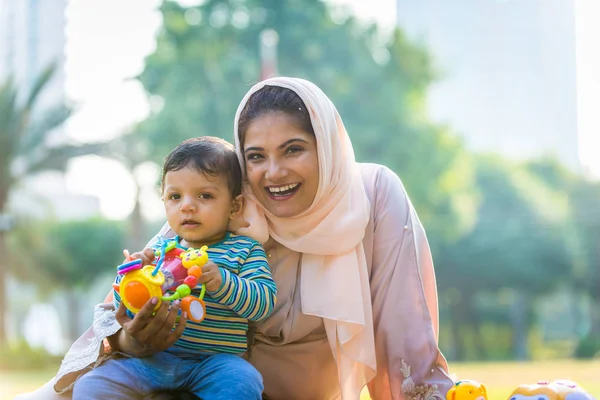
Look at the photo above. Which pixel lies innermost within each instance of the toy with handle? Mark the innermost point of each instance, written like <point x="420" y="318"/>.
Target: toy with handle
<point x="175" y="269"/>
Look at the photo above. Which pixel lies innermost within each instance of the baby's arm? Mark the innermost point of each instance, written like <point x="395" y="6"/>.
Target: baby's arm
<point x="252" y="293"/>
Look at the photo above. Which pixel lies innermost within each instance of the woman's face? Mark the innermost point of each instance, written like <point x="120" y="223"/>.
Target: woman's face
<point x="281" y="164"/>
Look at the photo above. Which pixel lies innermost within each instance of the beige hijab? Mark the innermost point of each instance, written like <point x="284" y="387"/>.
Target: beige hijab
<point x="334" y="277"/>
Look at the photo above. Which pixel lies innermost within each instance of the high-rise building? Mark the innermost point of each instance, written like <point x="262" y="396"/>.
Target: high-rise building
<point x="32" y="36"/>
<point x="509" y="72"/>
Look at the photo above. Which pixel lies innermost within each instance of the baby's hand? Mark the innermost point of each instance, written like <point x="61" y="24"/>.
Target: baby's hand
<point x="211" y="276"/>
<point x="146" y="255"/>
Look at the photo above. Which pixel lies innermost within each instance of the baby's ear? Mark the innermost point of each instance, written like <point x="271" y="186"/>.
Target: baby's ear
<point x="237" y="206"/>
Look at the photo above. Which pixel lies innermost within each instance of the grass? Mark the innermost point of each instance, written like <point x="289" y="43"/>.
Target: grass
<point x="13" y="383"/>
<point x="499" y="378"/>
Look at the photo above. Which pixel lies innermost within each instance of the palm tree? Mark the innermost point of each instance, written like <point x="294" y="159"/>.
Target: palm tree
<point x="24" y="151"/>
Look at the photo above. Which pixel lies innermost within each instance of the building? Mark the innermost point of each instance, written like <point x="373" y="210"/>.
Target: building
<point x="32" y="36"/>
<point x="509" y="72"/>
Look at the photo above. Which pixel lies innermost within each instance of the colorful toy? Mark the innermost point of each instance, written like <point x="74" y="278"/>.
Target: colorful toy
<point x="555" y="390"/>
<point x="467" y="390"/>
<point x="175" y="269"/>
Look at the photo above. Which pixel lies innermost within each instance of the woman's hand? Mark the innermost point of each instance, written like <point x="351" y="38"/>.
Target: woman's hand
<point x="147" y="334"/>
<point x="211" y="276"/>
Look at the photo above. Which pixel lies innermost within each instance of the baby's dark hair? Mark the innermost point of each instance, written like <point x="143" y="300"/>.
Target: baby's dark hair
<point x="208" y="155"/>
<point x="272" y="99"/>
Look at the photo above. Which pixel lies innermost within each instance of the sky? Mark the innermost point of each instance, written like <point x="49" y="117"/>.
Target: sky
<point x="109" y="101"/>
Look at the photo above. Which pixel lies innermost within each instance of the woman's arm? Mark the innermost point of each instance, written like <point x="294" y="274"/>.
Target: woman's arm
<point x="404" y="295"/>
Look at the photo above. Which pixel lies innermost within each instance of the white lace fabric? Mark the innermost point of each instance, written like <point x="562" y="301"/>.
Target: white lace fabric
<point x="88" y="351"/>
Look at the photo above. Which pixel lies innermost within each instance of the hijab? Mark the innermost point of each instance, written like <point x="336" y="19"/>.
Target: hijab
<point x="334" y="277"/>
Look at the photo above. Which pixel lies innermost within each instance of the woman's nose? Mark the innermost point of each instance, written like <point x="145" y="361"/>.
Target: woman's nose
<point x="275" y="171"/>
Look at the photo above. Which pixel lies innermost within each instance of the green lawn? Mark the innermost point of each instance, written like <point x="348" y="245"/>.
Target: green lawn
<point x="499" y="378"/>
<point x="13" y="383"/>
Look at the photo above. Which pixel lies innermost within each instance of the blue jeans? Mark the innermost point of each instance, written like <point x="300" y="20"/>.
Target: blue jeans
<point x="208" y="376"/>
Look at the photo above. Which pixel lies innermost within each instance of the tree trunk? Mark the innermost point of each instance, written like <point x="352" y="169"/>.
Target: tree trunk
<point x="72" y="315"/>
<point x="137" y="226"/>
<point x="520" y="326"/>
<point x="478" y="346"/>
<point x="595" y="317"/>
<point x="3" y="284"/>
<point x="460" y="319"/>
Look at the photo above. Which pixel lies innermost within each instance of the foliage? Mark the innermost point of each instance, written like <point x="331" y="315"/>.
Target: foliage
<point x="208" y="56"/>
<point x="520" y="248"/>
<point x="519" y="240"/>
<point x="25" y="131"/>
<point x="66" y="255"/>
<point x="583" y="229"/>
<point x="21" y="356"/>
<point x="588" y="347"/>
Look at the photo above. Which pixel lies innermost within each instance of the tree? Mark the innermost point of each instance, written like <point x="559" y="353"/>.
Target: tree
<point x="132" y="150"/>
<point x="66" y="257"/>
<point x="583" y="195"/>
<point x="207" y="57"/>
<point x="520" y="242"/>
<point x="24" y="150"/>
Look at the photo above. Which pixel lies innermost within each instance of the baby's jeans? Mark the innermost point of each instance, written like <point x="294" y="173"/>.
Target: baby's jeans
<point x="208" y="376"/>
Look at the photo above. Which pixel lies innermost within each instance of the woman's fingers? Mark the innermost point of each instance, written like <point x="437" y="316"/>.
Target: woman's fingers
<point x="156" y="323"/>
<point x="177" y="332"/>
<point x="121" y="315"/>
<point x="168" y="324"/>
<point x="140" y="321"/>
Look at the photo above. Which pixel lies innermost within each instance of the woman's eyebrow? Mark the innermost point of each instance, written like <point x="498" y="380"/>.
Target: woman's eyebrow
<point x="247" y="149"/>
<point x="287" y="142"/>
<point x="281" y="146"/>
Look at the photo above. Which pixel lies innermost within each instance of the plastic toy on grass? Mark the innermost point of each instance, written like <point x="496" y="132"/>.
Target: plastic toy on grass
<point x="555" y="390"/>
<point x="467" y="390"/>
<point x="175" y="270"/>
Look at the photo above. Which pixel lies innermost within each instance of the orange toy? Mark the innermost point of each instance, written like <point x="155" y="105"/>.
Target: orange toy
<point x="139" y="284"/>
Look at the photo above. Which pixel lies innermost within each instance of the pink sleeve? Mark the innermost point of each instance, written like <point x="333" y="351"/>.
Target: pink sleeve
<point x="404" y="296"/>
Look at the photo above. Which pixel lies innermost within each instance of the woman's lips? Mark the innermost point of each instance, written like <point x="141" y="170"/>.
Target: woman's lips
<point x="283" y="195"/>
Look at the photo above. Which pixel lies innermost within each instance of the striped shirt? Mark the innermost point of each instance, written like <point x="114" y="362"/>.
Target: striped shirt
<point x="247" y="292"/>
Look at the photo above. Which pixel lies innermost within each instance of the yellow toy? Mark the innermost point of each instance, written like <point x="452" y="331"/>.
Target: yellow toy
<point x="467" y="390"/>
<point x="175" y="269"/>
<point x="555" y="390"/>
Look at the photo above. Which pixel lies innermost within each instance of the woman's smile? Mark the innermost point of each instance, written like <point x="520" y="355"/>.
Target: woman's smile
<point x="281" y="163"/>
<point x="283" y="192"/>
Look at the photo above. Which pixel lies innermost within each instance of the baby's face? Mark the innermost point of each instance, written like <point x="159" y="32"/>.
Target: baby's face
<point x="198" y="206"/>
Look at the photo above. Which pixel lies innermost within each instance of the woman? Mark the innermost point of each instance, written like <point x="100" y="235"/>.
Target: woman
<point x="357" y="299"/>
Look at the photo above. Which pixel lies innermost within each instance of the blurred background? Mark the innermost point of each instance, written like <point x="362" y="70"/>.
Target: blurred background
<point x="486" y="109"/>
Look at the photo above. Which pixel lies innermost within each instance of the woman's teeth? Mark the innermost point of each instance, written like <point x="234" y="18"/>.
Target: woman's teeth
<point x="283" y="190"/>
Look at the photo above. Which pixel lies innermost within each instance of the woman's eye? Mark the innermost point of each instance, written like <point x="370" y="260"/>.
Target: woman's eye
<point x="253" y="156"/>
<point x="293" y="149"/>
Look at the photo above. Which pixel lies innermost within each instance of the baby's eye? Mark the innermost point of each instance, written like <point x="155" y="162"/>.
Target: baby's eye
<point x="174" y="196"/>
<point x="205" y="196"/>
